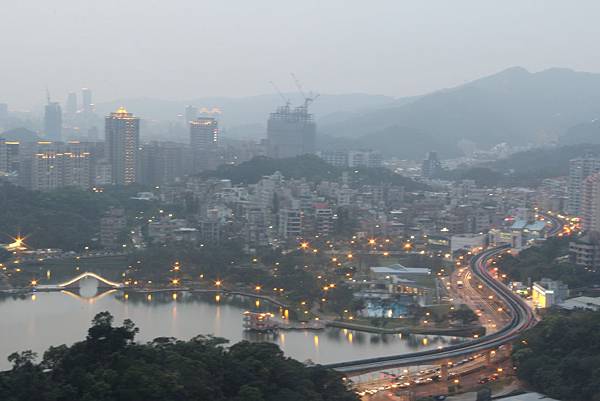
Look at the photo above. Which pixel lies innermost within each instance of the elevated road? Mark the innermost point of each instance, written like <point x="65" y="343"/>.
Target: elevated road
<point x="556" y="224"/>
<point x="521" y="319"/>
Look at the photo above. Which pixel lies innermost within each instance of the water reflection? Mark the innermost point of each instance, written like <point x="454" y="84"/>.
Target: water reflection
<point x="64" y="317"/>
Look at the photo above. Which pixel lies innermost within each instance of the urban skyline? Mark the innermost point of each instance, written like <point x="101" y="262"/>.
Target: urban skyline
<point x="409" y="212"/>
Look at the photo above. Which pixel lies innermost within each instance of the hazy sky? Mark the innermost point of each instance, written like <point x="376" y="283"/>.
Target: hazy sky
<point x="179" y="49"/>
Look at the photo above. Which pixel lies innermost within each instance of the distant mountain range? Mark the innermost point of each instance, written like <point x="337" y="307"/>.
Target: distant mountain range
<point x="514" y="106"/>
<point x="588" y="132"/>
<point x="20" y="134"/>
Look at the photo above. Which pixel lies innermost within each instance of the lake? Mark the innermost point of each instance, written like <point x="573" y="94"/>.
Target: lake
<point x="41" y="319"/>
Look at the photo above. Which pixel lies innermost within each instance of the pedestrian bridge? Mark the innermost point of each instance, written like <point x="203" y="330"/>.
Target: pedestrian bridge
<point x="74" y="282"/>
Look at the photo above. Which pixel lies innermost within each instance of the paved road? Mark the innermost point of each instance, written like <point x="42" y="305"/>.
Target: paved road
<point x="521" y="319"/>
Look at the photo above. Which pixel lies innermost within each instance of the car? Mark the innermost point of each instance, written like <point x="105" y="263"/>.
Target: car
<point x="484" y="380"/>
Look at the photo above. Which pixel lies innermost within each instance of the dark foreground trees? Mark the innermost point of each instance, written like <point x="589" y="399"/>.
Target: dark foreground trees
<point x="109" y="366"/>
<point x="560" y="357"/>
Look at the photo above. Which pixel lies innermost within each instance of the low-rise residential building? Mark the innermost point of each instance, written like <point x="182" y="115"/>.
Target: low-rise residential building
<point x="468" y="242"/>
<point x="290" y="223"/>
<point x="585" y="251"/>
<point x="546" y="293"/>
<point x="586" y="303"/>
<point x="169" y="229"/>
<point x="112" y="225"/>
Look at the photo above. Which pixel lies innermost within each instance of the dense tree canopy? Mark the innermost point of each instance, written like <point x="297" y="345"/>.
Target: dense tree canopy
<point x="527" y="168"/>
<point x="544" y="261"/>
<point x="109" y="366"/>
<point x="561" y="356"/>
<point x="312" y="168"/>
<point x="67" y="218"/>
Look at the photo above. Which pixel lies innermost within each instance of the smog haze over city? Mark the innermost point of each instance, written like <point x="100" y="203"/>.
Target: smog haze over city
<point x="187" y="49"/>
<point x="273" y="201"/>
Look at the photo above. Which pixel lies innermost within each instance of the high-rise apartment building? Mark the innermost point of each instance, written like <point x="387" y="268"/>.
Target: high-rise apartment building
<point x="10" y="156"/>
<point x="77" y="165"/>
<point x="122" y="130"/>
<point x="590" y="203"/>
<point x="86" y="100"/>
<point x="53" y="121"/>
<point x="204" y="137"/>
<point x="191" y="113"/>
<point x="431" y="166"/>
<point x="579" y="170"/>
<point x="291" y="132"/>
<point x="56" y="165"/>
<point x="163" y="162"/>
<point x="3" y="156"/>
<point x="71" y="107"/>
<point x="47" y="166"/>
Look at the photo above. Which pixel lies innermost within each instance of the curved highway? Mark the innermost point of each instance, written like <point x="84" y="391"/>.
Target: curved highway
<point x="522" y="318"/>
<point x="557" y="225"/>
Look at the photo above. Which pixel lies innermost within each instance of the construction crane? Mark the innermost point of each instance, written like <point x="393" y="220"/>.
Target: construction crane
<point x="307" y="99"/>
<point x="285" y="99"/>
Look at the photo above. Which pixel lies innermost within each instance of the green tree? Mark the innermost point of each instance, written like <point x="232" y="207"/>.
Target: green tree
<point x="165" y="370"/>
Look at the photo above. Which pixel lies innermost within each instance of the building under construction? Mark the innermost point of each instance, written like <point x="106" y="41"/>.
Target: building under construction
<point x="291" y="132"/>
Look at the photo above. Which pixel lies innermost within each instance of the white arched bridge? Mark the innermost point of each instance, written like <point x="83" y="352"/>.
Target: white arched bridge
<point x="74" y="282"/>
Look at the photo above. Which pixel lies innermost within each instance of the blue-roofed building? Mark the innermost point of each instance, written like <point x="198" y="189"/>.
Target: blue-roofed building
<point x="530" y="231"/>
